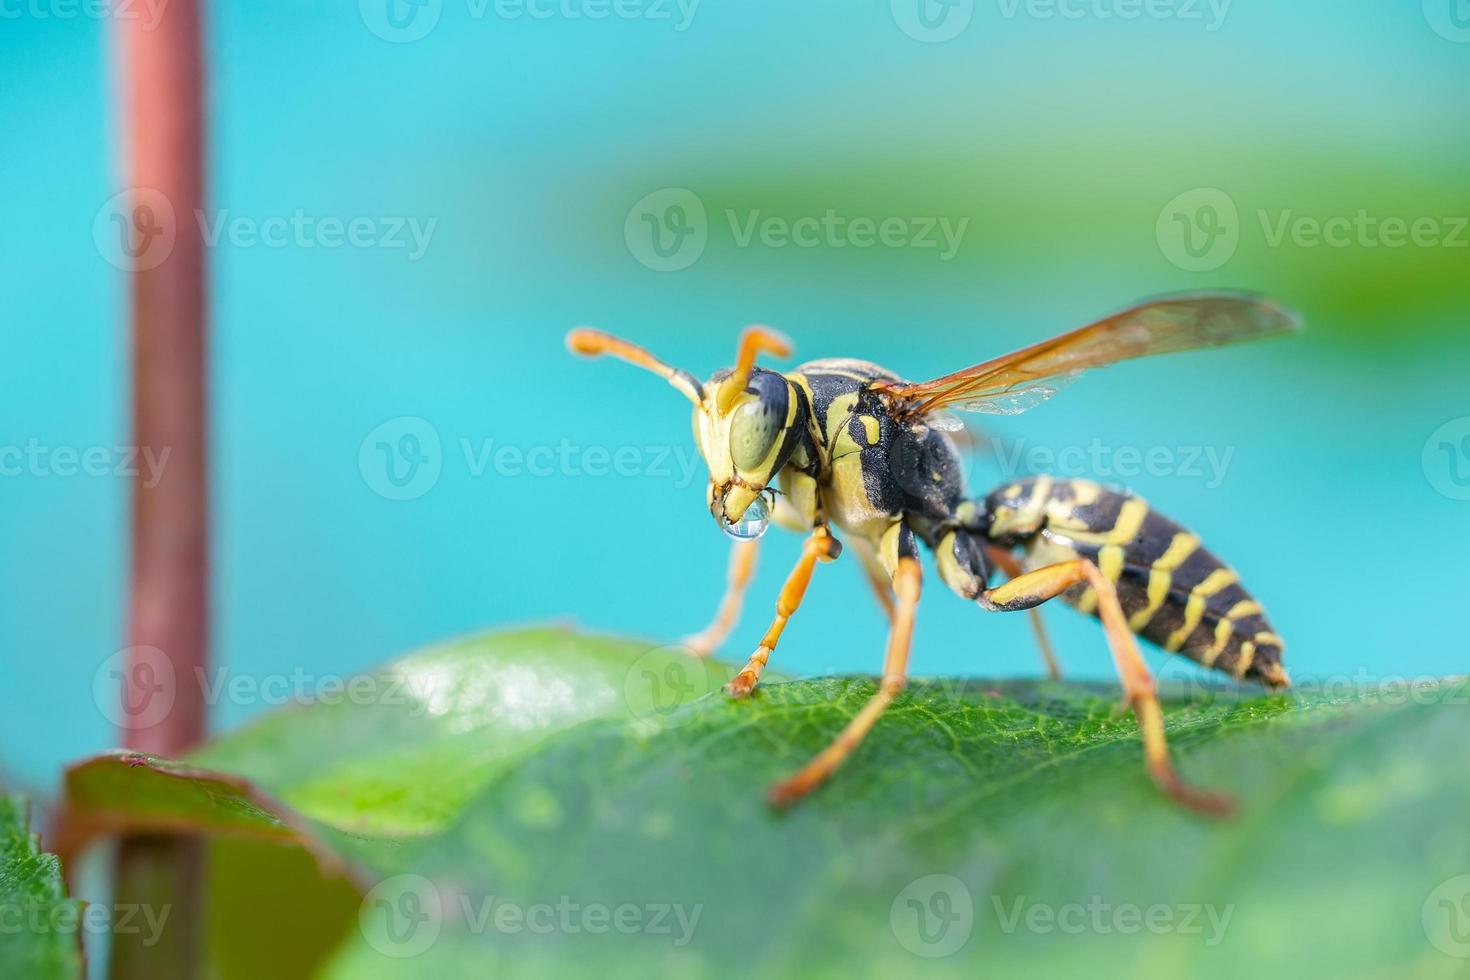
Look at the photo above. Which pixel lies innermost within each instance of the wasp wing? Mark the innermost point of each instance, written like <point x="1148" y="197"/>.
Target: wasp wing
<point x="1024" y="379"/>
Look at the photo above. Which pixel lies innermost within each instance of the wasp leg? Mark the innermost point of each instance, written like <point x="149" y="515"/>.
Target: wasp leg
<point x="877" y="576"/>
<point x="742" y="567"/>
<point x="1007" y="563"/>
<point x="821" y="546"/>
<point x="1036" y="587"/>
<point x="907" y="582"/>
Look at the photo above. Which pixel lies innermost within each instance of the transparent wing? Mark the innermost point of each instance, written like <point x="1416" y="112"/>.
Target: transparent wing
<point x="1022" y="380"/>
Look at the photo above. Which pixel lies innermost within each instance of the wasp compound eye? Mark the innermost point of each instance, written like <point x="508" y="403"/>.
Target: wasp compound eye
<point x="752" y="523"/>
<point x="757" y="425"/>
<point x="753" y="432"/>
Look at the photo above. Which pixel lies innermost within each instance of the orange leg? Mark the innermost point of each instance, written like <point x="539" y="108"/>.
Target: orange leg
<point x="742" y="567"/>
<point x="907" y="580"/>
<point x="821" y="546"/>
<point x="1034" y="588"/>
<point x="1007" y="563"/>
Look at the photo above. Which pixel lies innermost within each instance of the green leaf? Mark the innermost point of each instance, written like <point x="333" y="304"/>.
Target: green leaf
<point x="38" y="924"/>
<point x="402" y="751"/>
<point x="985" y="828"/>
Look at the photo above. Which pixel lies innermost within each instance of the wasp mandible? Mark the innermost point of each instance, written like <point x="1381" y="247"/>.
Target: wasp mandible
<point x="846" y="444"/>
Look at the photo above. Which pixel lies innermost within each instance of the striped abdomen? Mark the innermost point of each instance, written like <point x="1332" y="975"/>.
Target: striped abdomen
<point x="1173" y="590"/>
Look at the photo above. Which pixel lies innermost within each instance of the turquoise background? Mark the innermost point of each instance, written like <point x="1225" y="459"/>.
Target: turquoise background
<point x="528" y="141"/>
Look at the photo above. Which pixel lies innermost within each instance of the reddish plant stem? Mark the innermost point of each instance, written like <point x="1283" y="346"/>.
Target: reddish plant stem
<point x="168" y="608"/>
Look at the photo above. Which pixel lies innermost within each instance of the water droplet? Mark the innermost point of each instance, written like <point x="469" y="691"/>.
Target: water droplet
<point x="752" y="523"/>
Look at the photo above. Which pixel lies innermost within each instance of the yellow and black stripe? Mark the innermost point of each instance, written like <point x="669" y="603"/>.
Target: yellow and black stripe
<point x="1175" y="592"/>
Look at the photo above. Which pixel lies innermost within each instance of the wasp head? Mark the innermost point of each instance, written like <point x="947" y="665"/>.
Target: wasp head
<point x="745" y="445"/>
<point x="746" y="422"/>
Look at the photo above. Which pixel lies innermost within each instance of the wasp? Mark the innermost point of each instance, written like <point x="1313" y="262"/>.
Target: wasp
<point x="845" y="445"/>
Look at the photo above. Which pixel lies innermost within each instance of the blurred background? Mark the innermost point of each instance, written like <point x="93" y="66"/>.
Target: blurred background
<point x="412" y="200"/>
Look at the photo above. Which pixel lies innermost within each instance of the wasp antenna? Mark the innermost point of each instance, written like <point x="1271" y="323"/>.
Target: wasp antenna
<point x="594" y="343"/>
<point x="756" y="338"/>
